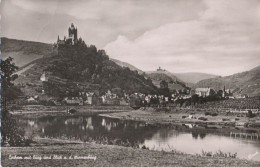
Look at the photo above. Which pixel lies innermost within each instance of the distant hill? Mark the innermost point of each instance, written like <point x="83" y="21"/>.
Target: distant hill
<point x="156" y="76"/>
<point x="193" y="77"/>
<point x="75" y="69"/>
<point x="124" y="64"/>
<point x="24" y="52"/>
<point x="173" y="81"/>
<point x="247" y="82"/>
<point x="189" y="78"/>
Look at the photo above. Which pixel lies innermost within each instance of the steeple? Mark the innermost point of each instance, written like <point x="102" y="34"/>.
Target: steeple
<point x="224" y="92"/>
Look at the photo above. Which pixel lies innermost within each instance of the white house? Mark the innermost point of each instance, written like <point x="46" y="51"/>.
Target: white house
<point x="204" y="91"/>
<point x="43" y="77"/>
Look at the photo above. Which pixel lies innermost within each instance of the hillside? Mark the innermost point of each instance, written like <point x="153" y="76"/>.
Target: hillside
<point x="73" y="69"/>
<point x="124" y="64"/>
<point x="247" y="82"/>
<point x="24" y="52"/>
<point x="193" y="77"/>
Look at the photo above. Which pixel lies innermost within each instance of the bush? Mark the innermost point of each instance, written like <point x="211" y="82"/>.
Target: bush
<point x="225" y="119"/>
<point x="207" y="113"/>
<point x="250" y="114"/>
<point x="202" y="118"/>
<point x="214" y="114"/>
<point x="10" y="133"/>
<point x="211" y="114"/>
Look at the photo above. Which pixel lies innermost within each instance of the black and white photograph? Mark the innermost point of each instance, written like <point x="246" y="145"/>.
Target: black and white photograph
<point x="130" y="83"/>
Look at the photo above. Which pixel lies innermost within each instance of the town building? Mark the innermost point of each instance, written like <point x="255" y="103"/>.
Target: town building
<point x="204" y="92"/>
<point x="74" y="101"/>
<point x="43" y="77"/>
<point x="92" y="99"/>
<point x="241" y="96"/>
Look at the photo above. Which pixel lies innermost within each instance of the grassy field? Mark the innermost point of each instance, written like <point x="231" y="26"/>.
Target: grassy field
<point x="108" y="155"/>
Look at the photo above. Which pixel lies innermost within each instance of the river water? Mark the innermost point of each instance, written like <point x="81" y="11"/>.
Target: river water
<point x="185" y="138"/>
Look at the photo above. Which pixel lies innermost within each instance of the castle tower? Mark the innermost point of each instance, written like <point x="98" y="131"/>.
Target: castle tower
<point x="73" y="34"/>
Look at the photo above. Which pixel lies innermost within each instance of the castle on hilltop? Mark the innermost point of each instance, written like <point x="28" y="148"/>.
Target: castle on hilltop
<point x="66" y="45"/>
<point x="72" y="39"/>
<point x="160" y="69"/>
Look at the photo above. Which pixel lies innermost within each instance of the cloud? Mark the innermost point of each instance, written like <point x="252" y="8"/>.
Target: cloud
<point x="181" y="36"/>
<point x="99" y="21"/>
<point x="223" y="40"/>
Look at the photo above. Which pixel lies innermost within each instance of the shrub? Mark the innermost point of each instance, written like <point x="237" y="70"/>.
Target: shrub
<point x="207" y="113"/>
<point x="250" y="114"/>
<point x="214" y="114"/>
<point x="202" y="118"/>
<point x="11" y="134"/>
<point x="225" y="119"/>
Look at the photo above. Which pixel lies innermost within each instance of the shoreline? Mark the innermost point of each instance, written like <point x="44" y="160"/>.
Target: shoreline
<point x="35" y="111"/>
<point x="150" y="116"/>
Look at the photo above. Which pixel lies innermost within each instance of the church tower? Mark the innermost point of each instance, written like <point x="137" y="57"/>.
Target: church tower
<point x="224" y="92"/>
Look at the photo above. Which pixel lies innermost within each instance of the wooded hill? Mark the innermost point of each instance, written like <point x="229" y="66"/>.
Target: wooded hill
<point x="72" y="69"/>
<point x="247" y="82"/>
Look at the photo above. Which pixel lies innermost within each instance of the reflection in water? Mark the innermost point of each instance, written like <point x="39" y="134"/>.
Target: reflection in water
<point x="195" y="135"/>
<point x="106" y="124"/>
<point x="89" y="124"/>
<point x="185" y="143"/>
<point x="185" y="138"/>
<point x="253" y="135"/>
<point x="31" y="123"/>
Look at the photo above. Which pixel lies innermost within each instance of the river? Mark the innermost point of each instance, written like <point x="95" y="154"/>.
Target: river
<point x="185" y="138"/>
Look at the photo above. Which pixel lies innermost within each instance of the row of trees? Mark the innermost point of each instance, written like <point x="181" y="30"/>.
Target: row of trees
<point x="196" y="99"/>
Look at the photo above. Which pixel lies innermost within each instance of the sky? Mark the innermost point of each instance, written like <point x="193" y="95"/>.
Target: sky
<point x="219" y="37"/>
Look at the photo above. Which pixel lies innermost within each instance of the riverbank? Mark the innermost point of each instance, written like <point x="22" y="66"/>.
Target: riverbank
<point x="108" y="155"/>
<point x="189" y="116"/>
<point x="35" y="111"/>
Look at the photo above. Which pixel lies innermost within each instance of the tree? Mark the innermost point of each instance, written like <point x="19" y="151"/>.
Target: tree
<point x="194" y="99"/>
<point x="10" y="133"/>
<point x="7" y="78"/>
